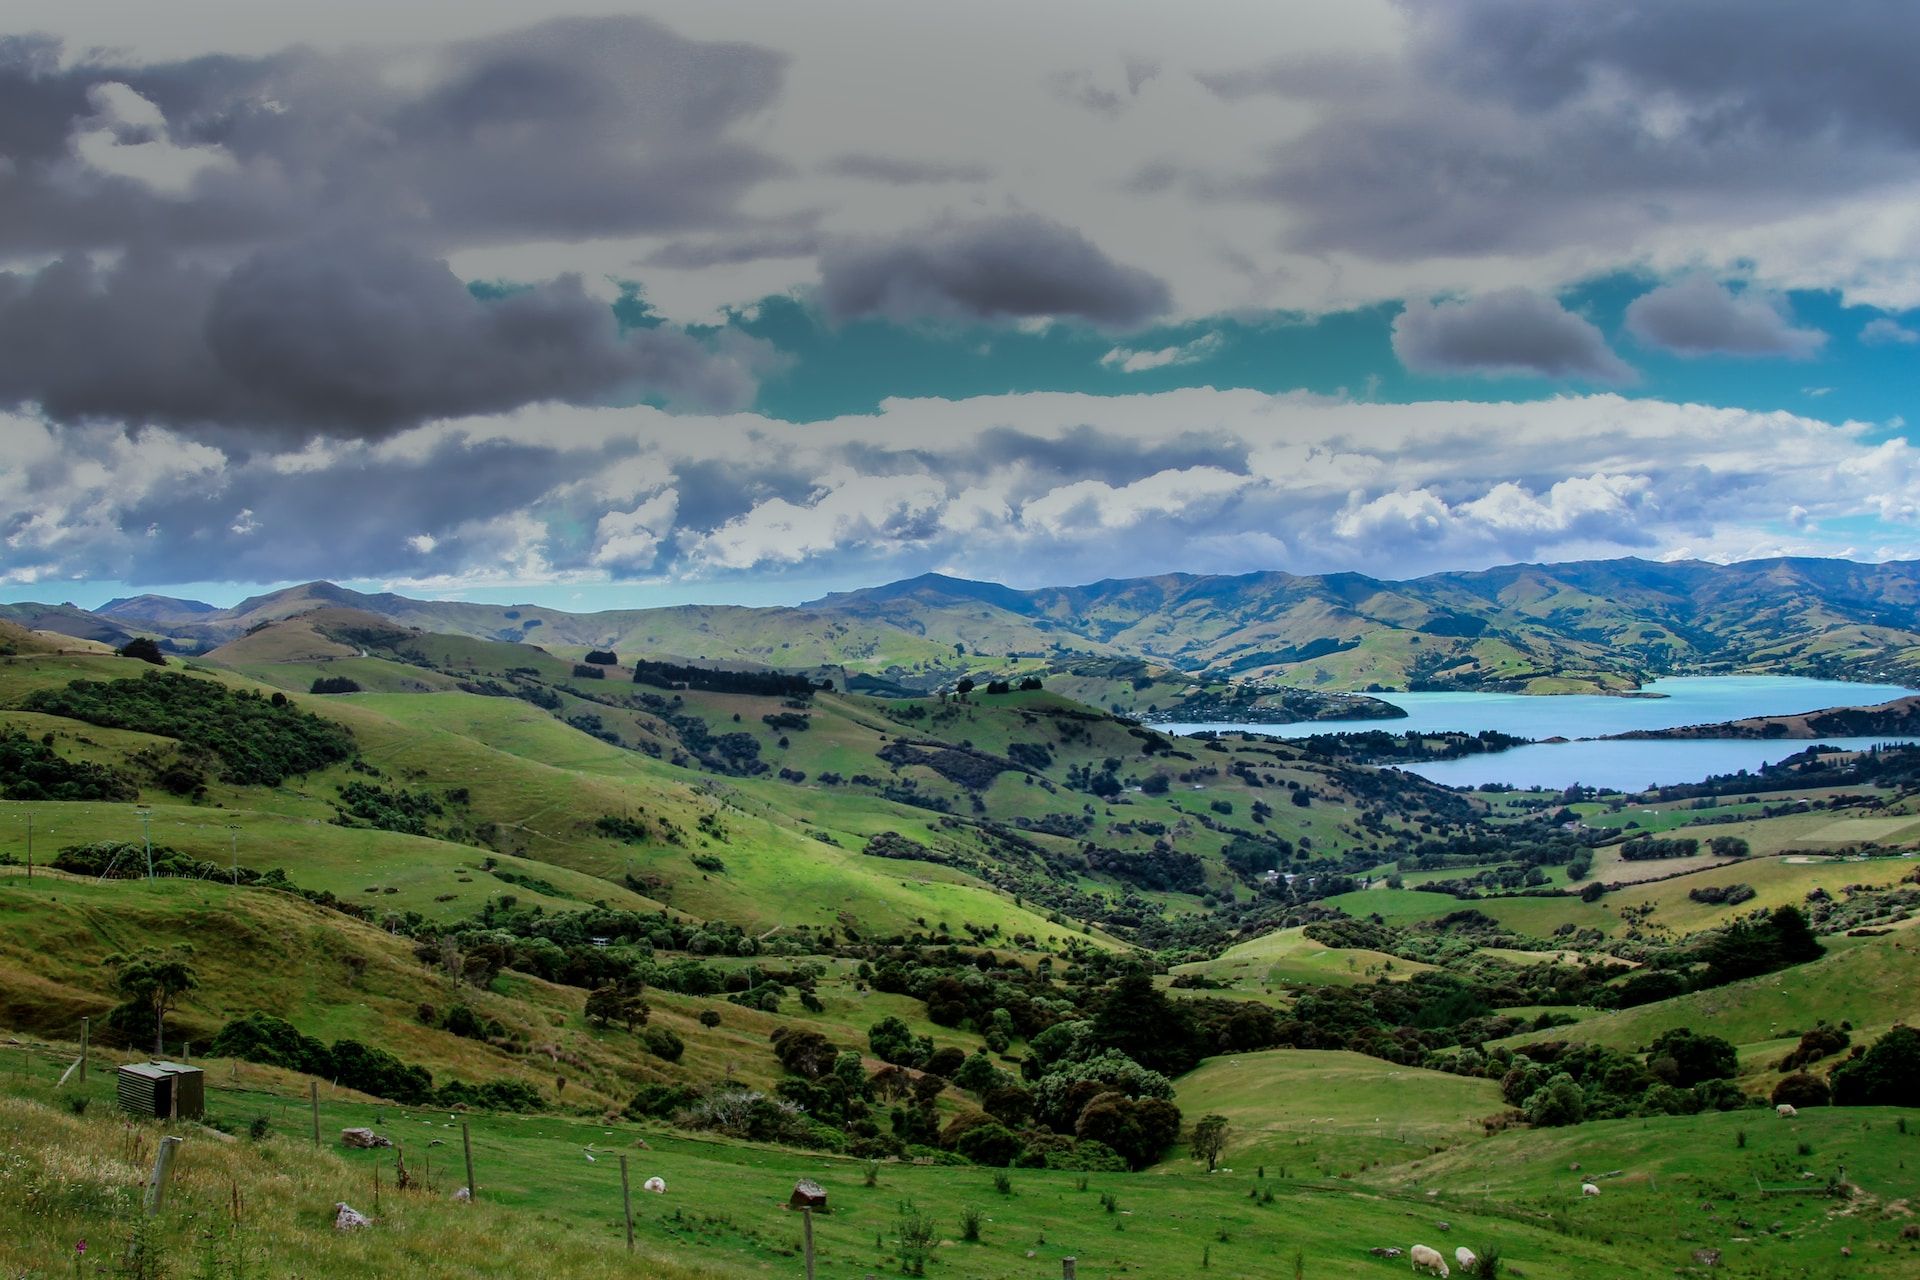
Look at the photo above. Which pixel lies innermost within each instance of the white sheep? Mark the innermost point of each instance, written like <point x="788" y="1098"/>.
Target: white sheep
<point x="656" y="1185"/>
<point x="1425" y="1259"/>
<point x="1786" y="1111"/>
<point x="1588" y="1189"/>
<point x="1464" y="1256"/>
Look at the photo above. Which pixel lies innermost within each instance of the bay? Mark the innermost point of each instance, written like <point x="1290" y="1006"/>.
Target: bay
<point x="1663" y="704"/>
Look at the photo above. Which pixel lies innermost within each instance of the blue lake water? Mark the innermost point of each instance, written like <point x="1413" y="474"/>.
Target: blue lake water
<point x="1678" y="701"/>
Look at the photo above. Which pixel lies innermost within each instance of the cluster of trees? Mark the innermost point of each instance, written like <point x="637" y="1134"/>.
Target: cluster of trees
<point x="30" y="769"/>
<point x="1556" y="1083"/>
<point x="261" y="741"/>
<point x="1886" y="1075"/>
<point x="334" y="684"/>
<point x="773" y="684"/>
<point x="363" y="804"/>
<point x="263" y="1038"/>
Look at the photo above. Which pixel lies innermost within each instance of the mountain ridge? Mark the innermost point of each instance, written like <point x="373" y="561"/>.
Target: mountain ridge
<point x="1526" y="627"/>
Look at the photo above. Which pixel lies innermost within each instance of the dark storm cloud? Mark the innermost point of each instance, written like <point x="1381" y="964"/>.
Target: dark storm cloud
<point x="1015" y="267"/>
<point x="1519" y="127"/>
<point x="573" y="128"/>
<point x="1697" y="316"/>
<point x="294" y="527"/>
<point x="901" y="171"/>
<point x="282" y="274"/>
<point x="1509" y="332"/>
<point x="335" y="337"/>
<point x="692" y="255"/>
<point x="1774" y="66"/>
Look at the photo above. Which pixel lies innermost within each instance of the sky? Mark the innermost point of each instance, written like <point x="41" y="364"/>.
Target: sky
<point x="619" y="305"/>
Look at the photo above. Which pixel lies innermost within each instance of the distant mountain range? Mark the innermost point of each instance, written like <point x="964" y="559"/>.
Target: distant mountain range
<point x="1606" y="625"/>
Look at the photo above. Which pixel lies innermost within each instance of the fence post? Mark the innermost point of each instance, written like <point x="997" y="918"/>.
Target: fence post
<point x="85" y="1025"/>
<point x="313" y="1100"/>
<point x="157" y="1180"/>
<point x="466" y="1143"/>
<point x="626" y="1201"/>
<point x="806" y="1231"/>
<point x="1066" y="1268"/>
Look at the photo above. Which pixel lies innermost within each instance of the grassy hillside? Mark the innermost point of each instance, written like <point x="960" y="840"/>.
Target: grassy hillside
<point x="544" y="1208"/>
<point x="1328" y="1113"/>
<point x="1529" y="628"/>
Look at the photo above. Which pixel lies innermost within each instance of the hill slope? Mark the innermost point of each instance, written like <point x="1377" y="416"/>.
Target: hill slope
<point x="1535" y="628"/>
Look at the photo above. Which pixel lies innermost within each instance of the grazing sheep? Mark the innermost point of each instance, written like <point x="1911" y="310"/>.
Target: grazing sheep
<point x="656" y="1185"/>
<point x="1588" y="1189"/>
<point x="1425" y="1259"/>
<point x="1786" y="1111"/>
<point x="1464" y="1256"/>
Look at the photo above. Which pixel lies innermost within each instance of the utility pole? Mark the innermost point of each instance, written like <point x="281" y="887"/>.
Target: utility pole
<point x="146" y="836"/>
<point x="29" y="848"/>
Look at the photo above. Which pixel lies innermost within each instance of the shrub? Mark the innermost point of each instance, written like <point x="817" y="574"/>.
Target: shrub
<point x="144" y="649"/>
<point x="663" y="1043"/>
<point x="1802" y="1089"/>
<point x="1887" y="1075"/>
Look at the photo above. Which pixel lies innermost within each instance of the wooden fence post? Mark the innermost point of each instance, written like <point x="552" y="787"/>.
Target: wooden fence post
<point x="1066" y="1268"/>
<point x="85" y="1026"/>
<point x="466" y="1143"/>
<point x="313" y="1100"/>
<point x="806" y="1230"/>
<point x="157" y="1180"/>
<point x="626" y="1201"/>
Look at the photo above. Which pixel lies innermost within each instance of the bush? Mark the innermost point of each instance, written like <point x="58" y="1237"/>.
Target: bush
<point x="1802" y="1089"/>
<point x="663" y="1043"/>
<point x="144" y="649"/>
<point x="1887" y="1075"/>
<point x="991" y="1143"/>
<point x="271" y="1041"/>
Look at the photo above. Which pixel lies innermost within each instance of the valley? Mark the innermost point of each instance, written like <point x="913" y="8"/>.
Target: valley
<point x="939" y="941"/>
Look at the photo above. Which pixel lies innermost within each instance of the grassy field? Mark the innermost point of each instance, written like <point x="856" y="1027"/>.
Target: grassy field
<point x="1329" y="1113"/>
<point x="1745" y="1183"/>
<point x="1873" y="985"/>
<point x="1288" y="957"/>
<point x="544" y="1208"/>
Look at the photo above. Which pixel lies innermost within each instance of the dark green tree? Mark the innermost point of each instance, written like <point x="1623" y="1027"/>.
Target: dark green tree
<point x="153" y="981"/>
<point x="1209" y="1139"/>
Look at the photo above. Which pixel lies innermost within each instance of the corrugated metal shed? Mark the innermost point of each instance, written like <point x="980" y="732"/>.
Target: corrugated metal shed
<point x="162" y="1089"/>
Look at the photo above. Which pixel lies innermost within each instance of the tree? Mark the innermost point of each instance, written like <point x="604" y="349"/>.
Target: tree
<point x="1802" y="1089"/>
<point x="1209" y="1139"/>
<point x="153" y="981"/>
<point x="143" y="648"/>
<point x="1684" y="1059"/>
<point x="965" y="685"/>
<point x="893" y="1041"/>
<point x="1887" y="1075"/>
<point x="617" y="1002"/>
<point x="1560" y="1102"/>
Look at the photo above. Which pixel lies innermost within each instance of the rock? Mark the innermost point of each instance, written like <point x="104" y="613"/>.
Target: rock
<point x="345" y="1218"/>
<point x="1443" y="1226"/>
<point x="364" y="1139"/>
<point x="464" y="1193"/>
<point x="807" y="1194"/>
<point x="1379" y="1251"/>
<point x="1706" y="1257"/>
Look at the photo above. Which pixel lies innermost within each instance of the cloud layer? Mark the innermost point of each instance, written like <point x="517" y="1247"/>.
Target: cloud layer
<point x="1027" y="488"/>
